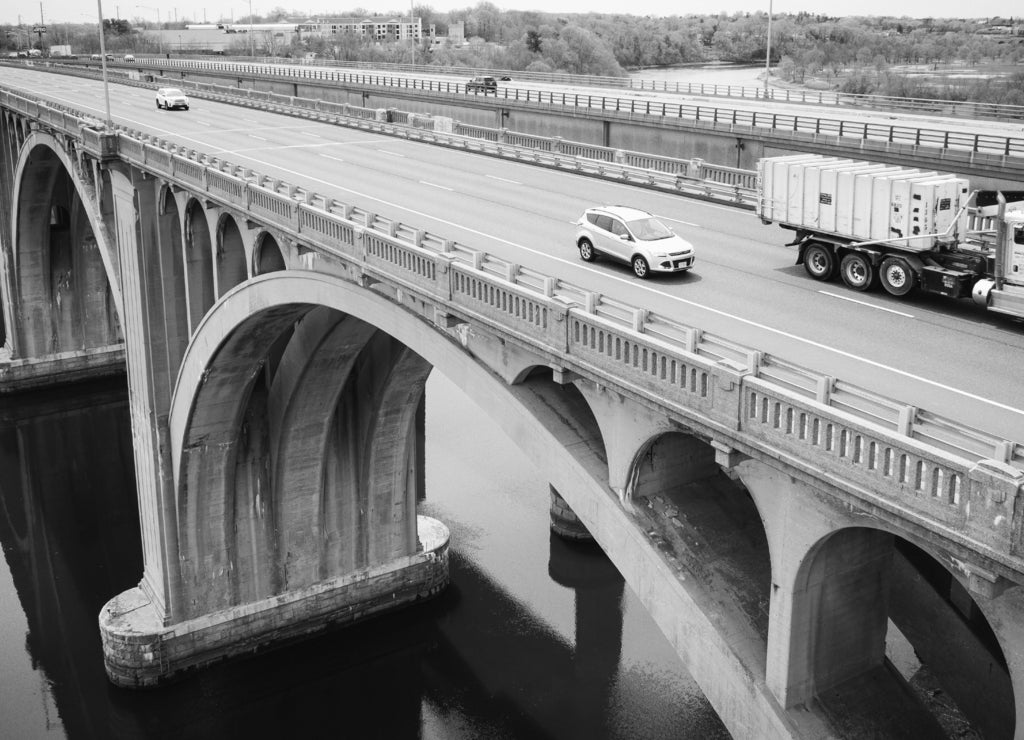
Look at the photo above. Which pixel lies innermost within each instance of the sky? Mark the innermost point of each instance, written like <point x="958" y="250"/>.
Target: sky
<point x="75" y="11"/>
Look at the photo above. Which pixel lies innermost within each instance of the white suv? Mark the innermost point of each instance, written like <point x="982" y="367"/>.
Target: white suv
<point x="632" y="236"/>
<point x="171" y="97"/>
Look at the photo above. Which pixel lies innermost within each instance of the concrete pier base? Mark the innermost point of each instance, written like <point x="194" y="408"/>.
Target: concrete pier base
<point x="564" y="521"/>
<point x="139" y="651"/>
<point x="18" y="375"/>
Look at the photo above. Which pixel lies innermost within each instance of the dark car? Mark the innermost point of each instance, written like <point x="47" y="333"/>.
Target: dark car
<point x="482" y="84"/>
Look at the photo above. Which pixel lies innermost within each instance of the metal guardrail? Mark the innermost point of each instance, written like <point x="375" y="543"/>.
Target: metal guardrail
<point x="934" y="106"/>
<point x="779" y="124"/>
<point x="948" y="477"/>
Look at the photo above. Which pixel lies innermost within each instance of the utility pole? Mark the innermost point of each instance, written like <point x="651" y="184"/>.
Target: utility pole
<point x="41" y="28"/>
<point x="768" y="50"/>
<point x="103" y="63"/>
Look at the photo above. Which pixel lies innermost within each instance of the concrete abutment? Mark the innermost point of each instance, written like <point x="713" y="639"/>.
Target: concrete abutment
<point x="140" y="652"/>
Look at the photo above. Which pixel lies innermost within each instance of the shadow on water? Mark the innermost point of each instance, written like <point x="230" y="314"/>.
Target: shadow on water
<point x="473" y="663"/>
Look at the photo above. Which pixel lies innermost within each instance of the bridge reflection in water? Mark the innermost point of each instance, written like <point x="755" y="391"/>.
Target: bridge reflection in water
<point x="535" y="638"/>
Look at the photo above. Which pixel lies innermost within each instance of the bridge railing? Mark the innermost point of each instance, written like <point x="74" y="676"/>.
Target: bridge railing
<point x="781" y="125"/>
<point x="956" y="480"/>
<point x="998" y="111"/>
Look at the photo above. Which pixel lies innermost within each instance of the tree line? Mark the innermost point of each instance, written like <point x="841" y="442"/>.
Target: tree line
<point x="854" y="54"/>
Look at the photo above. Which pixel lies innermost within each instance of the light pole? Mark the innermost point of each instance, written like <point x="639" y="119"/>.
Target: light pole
<point x="252" y="41"/>
<point x="768" y="49"/>
<point x="412" y="32"/>
<point x="103" y="65"/>
<point x="159" y="31"/>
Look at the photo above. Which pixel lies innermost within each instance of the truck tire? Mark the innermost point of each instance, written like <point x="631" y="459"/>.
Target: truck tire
<point x="819" y="261"/>
<point x="897" y="276"/>
<point x="856" y="271"/>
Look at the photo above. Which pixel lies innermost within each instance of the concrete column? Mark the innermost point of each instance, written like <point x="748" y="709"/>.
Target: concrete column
<point x="1005" y="615"/>
<point x="626" y="427"/>
<point x="148" y="383"/>
<point x="830" y="580"/>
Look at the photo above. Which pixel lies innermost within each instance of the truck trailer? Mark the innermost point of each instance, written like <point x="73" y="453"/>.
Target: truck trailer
<point x="905" y="229"/>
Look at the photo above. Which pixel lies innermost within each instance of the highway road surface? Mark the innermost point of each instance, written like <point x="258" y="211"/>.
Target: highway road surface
<point x="949" y="357"/>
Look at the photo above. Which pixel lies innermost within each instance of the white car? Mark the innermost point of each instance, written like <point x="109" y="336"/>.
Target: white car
<point x="171" y="97"/>
<point x="634" y="237"/>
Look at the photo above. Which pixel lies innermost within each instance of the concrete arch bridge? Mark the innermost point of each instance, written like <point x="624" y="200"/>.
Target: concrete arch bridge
<point x="277" y="345"/>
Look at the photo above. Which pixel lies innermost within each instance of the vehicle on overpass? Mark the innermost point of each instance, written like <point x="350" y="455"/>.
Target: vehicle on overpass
<point x="482" y="84"/>
<point x="906" y="229"/>
<point x="171" y="97"/>
<point x="632" y="236"/>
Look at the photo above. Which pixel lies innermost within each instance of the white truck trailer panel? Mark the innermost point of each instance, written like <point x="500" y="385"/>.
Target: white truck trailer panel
<point x="846" y="195"/>
<point x="937" y="207"/>
<point x="817" y="175"/>
<point x="861" y="201"/>
<point x="1014" y="255"/>
<point x="857" y="221"/>
<point x="773" y="191"/>
<point x="798" y="183"/>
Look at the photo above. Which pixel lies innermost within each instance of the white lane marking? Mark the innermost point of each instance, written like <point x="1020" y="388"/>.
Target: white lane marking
<point x="393" y="154"/>
<point x="641" y="287"/>
<point x="254" y="136"/>
<point x="678" y="221"/>
<point x="435" y="185"/>
<point x="505" y="179"/>
<point x="328" y="156"/>
<point x="310" y="133"/>
<point x="203" y="123"/>
<point x="632" y="283"/>
<point x="865" y="303"/>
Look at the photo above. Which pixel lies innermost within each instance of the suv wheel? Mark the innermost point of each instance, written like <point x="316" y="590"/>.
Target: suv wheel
<point x="586" y="250"/>
<point x="640" y="267"/>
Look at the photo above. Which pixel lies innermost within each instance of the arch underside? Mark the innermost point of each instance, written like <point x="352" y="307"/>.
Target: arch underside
<point x="64" y="298"/>
<point x="301" y="459"/>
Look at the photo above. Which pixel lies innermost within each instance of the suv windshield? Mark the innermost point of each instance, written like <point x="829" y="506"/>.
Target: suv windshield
<point x="649" y="229"/>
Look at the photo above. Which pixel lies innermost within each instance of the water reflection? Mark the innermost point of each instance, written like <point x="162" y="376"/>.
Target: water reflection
<point x="535" y="638"/>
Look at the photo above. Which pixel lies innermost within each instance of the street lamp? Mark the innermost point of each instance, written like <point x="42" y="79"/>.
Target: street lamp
<point x="252" y="41"/>
<point x="768" y="49"/>
<point x="103" y="65"/>
<point x="159" y="31"/>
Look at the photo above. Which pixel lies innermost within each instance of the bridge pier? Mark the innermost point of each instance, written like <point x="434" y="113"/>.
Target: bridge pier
<point x="60" y="313"/>
<point x="829" y="598"/>
<point x="139" y="651"/>
<point x="564" y="521"/>
<point x="282" y="501"/>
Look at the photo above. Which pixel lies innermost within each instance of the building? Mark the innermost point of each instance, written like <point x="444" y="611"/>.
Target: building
<point x="375" y="29"/>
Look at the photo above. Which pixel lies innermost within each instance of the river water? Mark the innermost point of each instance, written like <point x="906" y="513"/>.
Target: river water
<point x="535" y="638"/>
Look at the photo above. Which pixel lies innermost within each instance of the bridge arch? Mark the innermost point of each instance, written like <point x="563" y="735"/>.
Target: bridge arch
<point x="857" y="583"/>
<point x="713" y="527"/>
<point x="268" y="256"/>
<point x="231" y="261"/>
<point x="268" y="414"/>
<point x="65" y="265"/>
<point x="198" y="246"/>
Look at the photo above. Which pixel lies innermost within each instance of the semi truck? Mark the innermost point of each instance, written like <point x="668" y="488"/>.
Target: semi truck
<point x="902" y="228"/>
